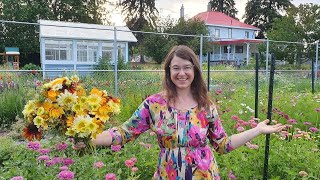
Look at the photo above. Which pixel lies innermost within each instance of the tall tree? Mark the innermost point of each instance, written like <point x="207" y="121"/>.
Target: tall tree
<point x="261" y="13"/>
<point x="140" y="14"/>
<point x="225" y="6"/>
<point x="26" y="36"/>
<point x="300" y="24"/>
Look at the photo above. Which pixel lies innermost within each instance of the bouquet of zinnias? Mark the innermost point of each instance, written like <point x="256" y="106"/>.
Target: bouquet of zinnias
<point x="63" y="104"/>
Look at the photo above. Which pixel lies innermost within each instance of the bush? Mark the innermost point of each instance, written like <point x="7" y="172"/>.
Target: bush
<point x="11" y="105"/>
<point x="31" y="66"/>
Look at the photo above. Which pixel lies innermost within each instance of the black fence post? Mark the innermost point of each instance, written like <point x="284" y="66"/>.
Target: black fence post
<point x="266" y="154"/>
<point x="257" y="88"/>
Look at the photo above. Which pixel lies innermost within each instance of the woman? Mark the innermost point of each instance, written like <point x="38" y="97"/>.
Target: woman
<point x="182" y="116"/>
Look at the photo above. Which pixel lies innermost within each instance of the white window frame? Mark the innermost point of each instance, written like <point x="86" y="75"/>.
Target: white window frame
<point x="229" y="33"/>
<point x="60" y="50"/>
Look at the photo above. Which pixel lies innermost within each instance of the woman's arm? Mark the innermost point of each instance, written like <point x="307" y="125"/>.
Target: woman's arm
<point x="240" y="139"/>
<point x="103" y="139"/>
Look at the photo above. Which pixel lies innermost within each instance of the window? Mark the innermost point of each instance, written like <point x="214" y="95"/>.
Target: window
<point x="58" y="50"/>
<point x="246" y="34"/>
<point x="239" y="49"/>
<point x="87" y="51"/>
<point x="217" y="32"/>
<point x="229" y="33"/>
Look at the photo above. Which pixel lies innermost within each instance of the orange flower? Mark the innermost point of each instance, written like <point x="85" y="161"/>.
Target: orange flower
<point x="96" y="91"/>
<point x="31" y="131"/>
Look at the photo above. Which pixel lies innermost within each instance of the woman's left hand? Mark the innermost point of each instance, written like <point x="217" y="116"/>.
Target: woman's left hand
<point x="268" y="129"/>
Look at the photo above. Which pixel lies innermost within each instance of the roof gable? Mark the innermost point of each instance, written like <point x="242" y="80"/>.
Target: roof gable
<point x="221" y="19"/>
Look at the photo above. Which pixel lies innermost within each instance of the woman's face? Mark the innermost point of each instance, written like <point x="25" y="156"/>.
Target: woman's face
<point x="182" y="73"/>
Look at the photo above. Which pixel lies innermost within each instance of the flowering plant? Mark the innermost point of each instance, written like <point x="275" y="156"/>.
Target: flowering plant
<point x="63" y="104"/>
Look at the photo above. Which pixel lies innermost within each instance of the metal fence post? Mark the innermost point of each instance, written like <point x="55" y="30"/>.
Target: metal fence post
<point x="115" y="52"/>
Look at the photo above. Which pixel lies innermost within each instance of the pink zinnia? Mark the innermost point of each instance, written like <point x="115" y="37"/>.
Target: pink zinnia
<point x="133" y="159"/>
<point x="33" y="145"/>
<point x="307" y="123"/>
<point x="17" y="178"/>
<point x="134" y="169"/>
<point x="313" y="129"/>
<point x="240" y="129"/>
<point x="234" y="117"/>
<point x="44" y="151"/>
<point x="62" y="146"/>
<point x="64" y="168"/>
<point x="43" y="158"/>
<point x="129" y="163"/>
<point x="66" y="175"/>
<point x="110" y="176"/>
<point x="116" y="148"/>
<point x="317" y="109"/>
<point x="98" y="164"/>
<point x="67" y="161"/>
<point x="292" y="121"/>
<point x="231" y="175"/>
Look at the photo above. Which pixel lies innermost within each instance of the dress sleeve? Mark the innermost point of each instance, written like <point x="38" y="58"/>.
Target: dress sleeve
<point x="130" y="130"/>
<point x="216" y="134"/>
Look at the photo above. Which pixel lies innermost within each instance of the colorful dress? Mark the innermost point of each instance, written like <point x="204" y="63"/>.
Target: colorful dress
<point x="182" y="137"/>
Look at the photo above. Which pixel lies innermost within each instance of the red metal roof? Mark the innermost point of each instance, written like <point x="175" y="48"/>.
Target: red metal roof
<point x="219" y="18"/>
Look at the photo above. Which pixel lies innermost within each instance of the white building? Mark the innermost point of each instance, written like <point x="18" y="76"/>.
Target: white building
<point x="234" y="41"/>
<point x="79" y="46"/>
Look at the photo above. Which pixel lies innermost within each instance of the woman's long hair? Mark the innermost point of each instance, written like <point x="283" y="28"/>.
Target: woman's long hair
<point x="198" y="86"/>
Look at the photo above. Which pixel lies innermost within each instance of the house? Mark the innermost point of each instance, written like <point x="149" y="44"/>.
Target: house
<point x="233" y="41"/>
<point x="79" y="46"/>
<point x="11" y="57"/>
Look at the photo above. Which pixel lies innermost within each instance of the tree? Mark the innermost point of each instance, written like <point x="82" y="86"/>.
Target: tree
<point x="190" y="27"/>
<point x="225" y="6"/>
<point x="158" y="45"/>
<point x="261" y="13"/>
<point x="139" y="14"/>
<point x="301" y="24"/>
<point x="26" y="36"/>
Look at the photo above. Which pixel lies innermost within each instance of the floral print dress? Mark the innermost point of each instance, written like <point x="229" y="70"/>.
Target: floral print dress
<point x="182" y="137"/>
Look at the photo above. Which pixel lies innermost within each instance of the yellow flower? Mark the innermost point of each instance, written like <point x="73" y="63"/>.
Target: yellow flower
<point x="94" y="99"/>
<point x="115" y="107"/>
<point x="80" y="123"/>
<point x="38" y="121"/>
<point x="103" y="113"/>
<point x="67" y="99"/>
<point x="82" y="100"/>
<point x="40" y="111"/>
<point x="71" y="132"/>
<point x="97" y="92"/>
<point x="29" y="108"/>
<point x="56" y="111"/>
<point x="80" y="91"/>
<point x="75" y="79"/>
<point x="58" y="81"/>
<point x="70" y="120"/>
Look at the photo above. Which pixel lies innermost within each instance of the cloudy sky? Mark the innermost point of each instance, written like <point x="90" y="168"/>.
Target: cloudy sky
<point x="193" y="7"/>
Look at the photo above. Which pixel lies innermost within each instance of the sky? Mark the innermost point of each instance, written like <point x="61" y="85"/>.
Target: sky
<point x="191" y="8"/>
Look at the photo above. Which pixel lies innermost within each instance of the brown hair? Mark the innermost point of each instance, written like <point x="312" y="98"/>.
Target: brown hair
<point x="198" y="86"/>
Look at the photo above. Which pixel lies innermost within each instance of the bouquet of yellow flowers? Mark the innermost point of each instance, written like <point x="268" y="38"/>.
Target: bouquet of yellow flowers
<point x="63" y="104"/>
